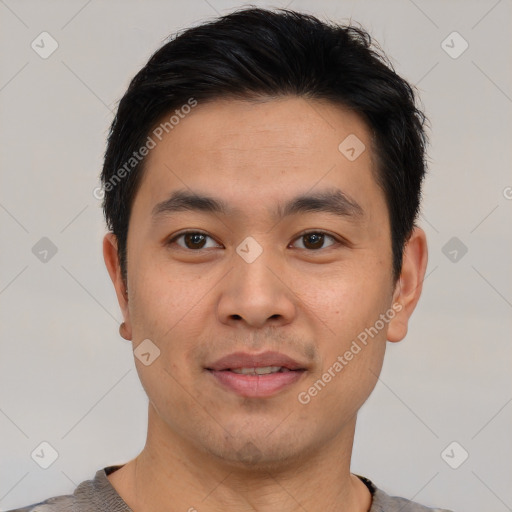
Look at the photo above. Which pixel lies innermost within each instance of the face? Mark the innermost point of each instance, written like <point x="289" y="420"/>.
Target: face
<point x="255" y="242"/>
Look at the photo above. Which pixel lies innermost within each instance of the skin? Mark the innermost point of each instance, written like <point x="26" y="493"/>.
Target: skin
<point x="208" y="447"/>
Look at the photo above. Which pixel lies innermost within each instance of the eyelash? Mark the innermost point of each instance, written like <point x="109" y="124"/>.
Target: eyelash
<point x="301" y="235"/>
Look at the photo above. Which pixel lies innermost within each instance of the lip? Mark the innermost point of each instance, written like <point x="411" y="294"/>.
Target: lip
<point x="246" y="360"/>
<point x="256" y="386"/>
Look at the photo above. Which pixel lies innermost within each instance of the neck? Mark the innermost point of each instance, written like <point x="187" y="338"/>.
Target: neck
<point x="171" y="470"/>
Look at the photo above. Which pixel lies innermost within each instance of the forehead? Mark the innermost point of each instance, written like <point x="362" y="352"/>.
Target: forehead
<point x="258" y="152"/>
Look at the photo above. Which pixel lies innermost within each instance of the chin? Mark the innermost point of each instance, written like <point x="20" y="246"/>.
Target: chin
<point x="257" y="451"/>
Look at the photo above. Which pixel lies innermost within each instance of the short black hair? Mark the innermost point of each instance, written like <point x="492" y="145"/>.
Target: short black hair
<point x="253" y="54"/>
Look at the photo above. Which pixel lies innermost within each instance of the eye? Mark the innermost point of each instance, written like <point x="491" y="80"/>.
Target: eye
<point x="193" y="240"/>
<point x="314" y="240"/>
<point x="196" y="240"/>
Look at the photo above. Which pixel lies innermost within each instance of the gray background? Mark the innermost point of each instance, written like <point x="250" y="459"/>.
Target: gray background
<point x="67" y="378"/>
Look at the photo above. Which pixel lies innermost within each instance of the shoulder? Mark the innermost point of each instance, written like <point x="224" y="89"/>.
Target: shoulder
<point x="96" y="494"/>
<point x="383" y="502"/>
<point x="55" y="504"/>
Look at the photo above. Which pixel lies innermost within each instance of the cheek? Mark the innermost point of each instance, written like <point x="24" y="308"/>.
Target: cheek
<point x="166" y="312"/>
<point x="350" y="354"/>
<point x="170" y="309"/>
<point x="165" y="299"/>
<point x="345" y="301"/>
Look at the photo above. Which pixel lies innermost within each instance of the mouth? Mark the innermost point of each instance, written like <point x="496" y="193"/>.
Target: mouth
<point x="256" y="375"/>
<point x="263" y="370"/>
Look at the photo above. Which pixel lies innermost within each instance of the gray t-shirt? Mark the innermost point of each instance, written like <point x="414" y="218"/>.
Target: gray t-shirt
<point x="98" y="495"/>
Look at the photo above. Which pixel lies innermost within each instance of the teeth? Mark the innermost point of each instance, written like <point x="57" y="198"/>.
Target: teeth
<point x="260" y="371"/>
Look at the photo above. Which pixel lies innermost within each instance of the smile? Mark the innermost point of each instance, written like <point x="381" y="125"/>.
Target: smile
<point x="257" y="382"/>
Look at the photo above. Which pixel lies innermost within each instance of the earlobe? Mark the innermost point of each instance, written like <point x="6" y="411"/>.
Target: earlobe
<point x="111" y="257"/>
<point x="409" y="285"/>
<point x="124" y="332"/>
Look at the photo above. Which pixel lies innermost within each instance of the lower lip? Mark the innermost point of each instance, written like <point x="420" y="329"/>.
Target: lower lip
<point x="257" y="386"/>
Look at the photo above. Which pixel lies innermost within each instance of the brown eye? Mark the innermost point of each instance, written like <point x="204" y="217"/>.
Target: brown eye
<point x="315" y="240"/>
<point x="193" y="240"/>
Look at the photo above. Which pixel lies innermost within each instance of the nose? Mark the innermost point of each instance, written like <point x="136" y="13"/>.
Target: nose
<point x="256" y="294"/>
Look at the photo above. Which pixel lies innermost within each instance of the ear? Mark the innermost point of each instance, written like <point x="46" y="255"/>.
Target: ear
<point x="111" y="258"/>
<point x="408" y="287"/>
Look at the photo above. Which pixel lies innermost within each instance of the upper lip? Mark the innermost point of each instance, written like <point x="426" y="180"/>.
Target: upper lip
<point x="261" y="360"/>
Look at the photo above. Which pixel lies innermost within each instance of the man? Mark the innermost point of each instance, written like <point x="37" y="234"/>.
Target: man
<point x="262" y="181"/>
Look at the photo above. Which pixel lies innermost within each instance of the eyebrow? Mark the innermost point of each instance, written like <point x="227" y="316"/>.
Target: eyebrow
<point x="329" y="201"/>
